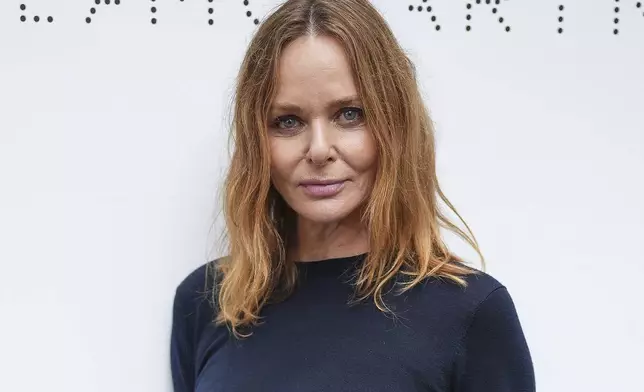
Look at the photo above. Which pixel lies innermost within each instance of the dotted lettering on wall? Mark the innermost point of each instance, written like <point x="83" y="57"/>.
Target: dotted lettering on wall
<point x="249" y="13"/>
<point x="210" y="12"/>
<point x="616" y="19"/>
<point x="617" y="9"/>
<point x="153" y="11"/>
<point x="34" y="18"/>
<point x="427" y="8"/>
<point x="493" y="7"/>
<point x="92" y="11"/>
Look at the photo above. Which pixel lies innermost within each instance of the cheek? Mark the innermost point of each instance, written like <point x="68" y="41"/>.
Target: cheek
<point x="363" y="154"/>
<point x="283" y="161"/>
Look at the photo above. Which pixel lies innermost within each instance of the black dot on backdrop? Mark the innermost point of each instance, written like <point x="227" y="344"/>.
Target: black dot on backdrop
<point x="88" y="20"/>
<point x="256" y="21"/>
<point x="469" y="6"/>
<point x="438" y="27"/>
<point x="615" y="31"/>
<point x="36" y="18"/>
<point x="117" y="2"/>
<point x="468" y="28"/>
<point x="560" y="30"/>
<point x="616" y="9"/>
<point x="153" y="9"/>
<point x="561" y="8"/>
<point x="501" y="20"/>
<point x="487" y="1"/>
<point x="468" y="17"/>
<point x="561" y="19"/>
<point x="248" y="13"/>
<point x="616" y="21"/>
<point x="433" y="18"/>
<point x="50" y="19"/>
<point x="99" y="2"/>
<point x="478" y="1"/>
<point x="210" y="22"/>
<point x="420" y="8"/>
<point x="210" y="10"/>
<point x="507" y="28"/>
<point x="92" y="10"/>
<point x="411" y="7"/>
<point x="23" y="7"/>
<point x="23" y="18"/>
<point x="107" y="2"/>
<point x="494" y="10"/>
<point x="154" y="21"/>
<point x="497" y="2"/>
<point x="639" y="5"/>
<point x="429" y="8"/>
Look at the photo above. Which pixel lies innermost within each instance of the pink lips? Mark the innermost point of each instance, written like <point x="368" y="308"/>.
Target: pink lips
<point x="322" y="188"/>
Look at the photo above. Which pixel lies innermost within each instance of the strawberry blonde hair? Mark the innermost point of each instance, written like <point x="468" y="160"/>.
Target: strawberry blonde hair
<point x="402" y="213"/>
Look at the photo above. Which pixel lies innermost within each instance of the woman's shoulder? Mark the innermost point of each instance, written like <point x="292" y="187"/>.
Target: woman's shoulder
<point x="461" y="298"/>
<point x="479" y="285"/>
<point x="195" y="292"/>
<point x="193" y="312"/>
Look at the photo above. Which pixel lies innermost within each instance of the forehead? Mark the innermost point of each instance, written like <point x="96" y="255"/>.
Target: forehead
<point x="314" y="69"/>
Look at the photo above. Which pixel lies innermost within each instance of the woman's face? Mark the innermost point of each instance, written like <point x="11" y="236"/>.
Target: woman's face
<point x="323" y="157"/>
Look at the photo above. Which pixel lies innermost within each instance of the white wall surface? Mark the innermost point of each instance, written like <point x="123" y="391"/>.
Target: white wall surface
<point x="113" y="141"/>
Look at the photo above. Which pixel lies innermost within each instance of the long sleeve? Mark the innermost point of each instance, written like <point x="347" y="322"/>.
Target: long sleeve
<point x="182" y="350"/>
<point x="494" y="356"/>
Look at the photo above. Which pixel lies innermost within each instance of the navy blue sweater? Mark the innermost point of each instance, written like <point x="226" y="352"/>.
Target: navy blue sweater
<point x="444" y="338"/>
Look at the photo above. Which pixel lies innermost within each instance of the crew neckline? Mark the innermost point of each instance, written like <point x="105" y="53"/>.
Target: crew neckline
<point x="330" y="262"/>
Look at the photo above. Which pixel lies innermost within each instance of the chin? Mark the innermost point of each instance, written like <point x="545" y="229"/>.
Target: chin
<point x="323" y="217"/>
<point x="324" y="211"/>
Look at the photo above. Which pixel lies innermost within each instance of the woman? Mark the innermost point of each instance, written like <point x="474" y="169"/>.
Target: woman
<point x="337" y="278"/>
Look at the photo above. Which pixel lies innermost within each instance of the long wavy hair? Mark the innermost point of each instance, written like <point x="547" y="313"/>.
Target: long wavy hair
<point x="402" y="213"/>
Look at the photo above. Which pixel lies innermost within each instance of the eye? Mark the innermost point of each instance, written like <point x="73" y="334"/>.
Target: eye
<point x="350" y="116"/>
<point x="286" y="122"/>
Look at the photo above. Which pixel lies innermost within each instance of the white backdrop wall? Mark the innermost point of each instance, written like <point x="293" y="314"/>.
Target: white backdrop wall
<point x="113" y="142"/>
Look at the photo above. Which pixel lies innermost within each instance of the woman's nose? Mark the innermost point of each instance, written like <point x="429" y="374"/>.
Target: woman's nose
<point x="321" y="146"/>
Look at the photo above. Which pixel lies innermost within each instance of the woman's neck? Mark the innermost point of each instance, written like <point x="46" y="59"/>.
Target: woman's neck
<point x="319" y="241"/>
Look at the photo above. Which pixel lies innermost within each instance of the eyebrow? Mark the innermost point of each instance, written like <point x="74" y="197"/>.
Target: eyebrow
<point x="335" y="104"/>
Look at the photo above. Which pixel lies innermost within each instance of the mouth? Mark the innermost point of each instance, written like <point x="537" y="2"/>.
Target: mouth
<point x="322" y="188"/>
